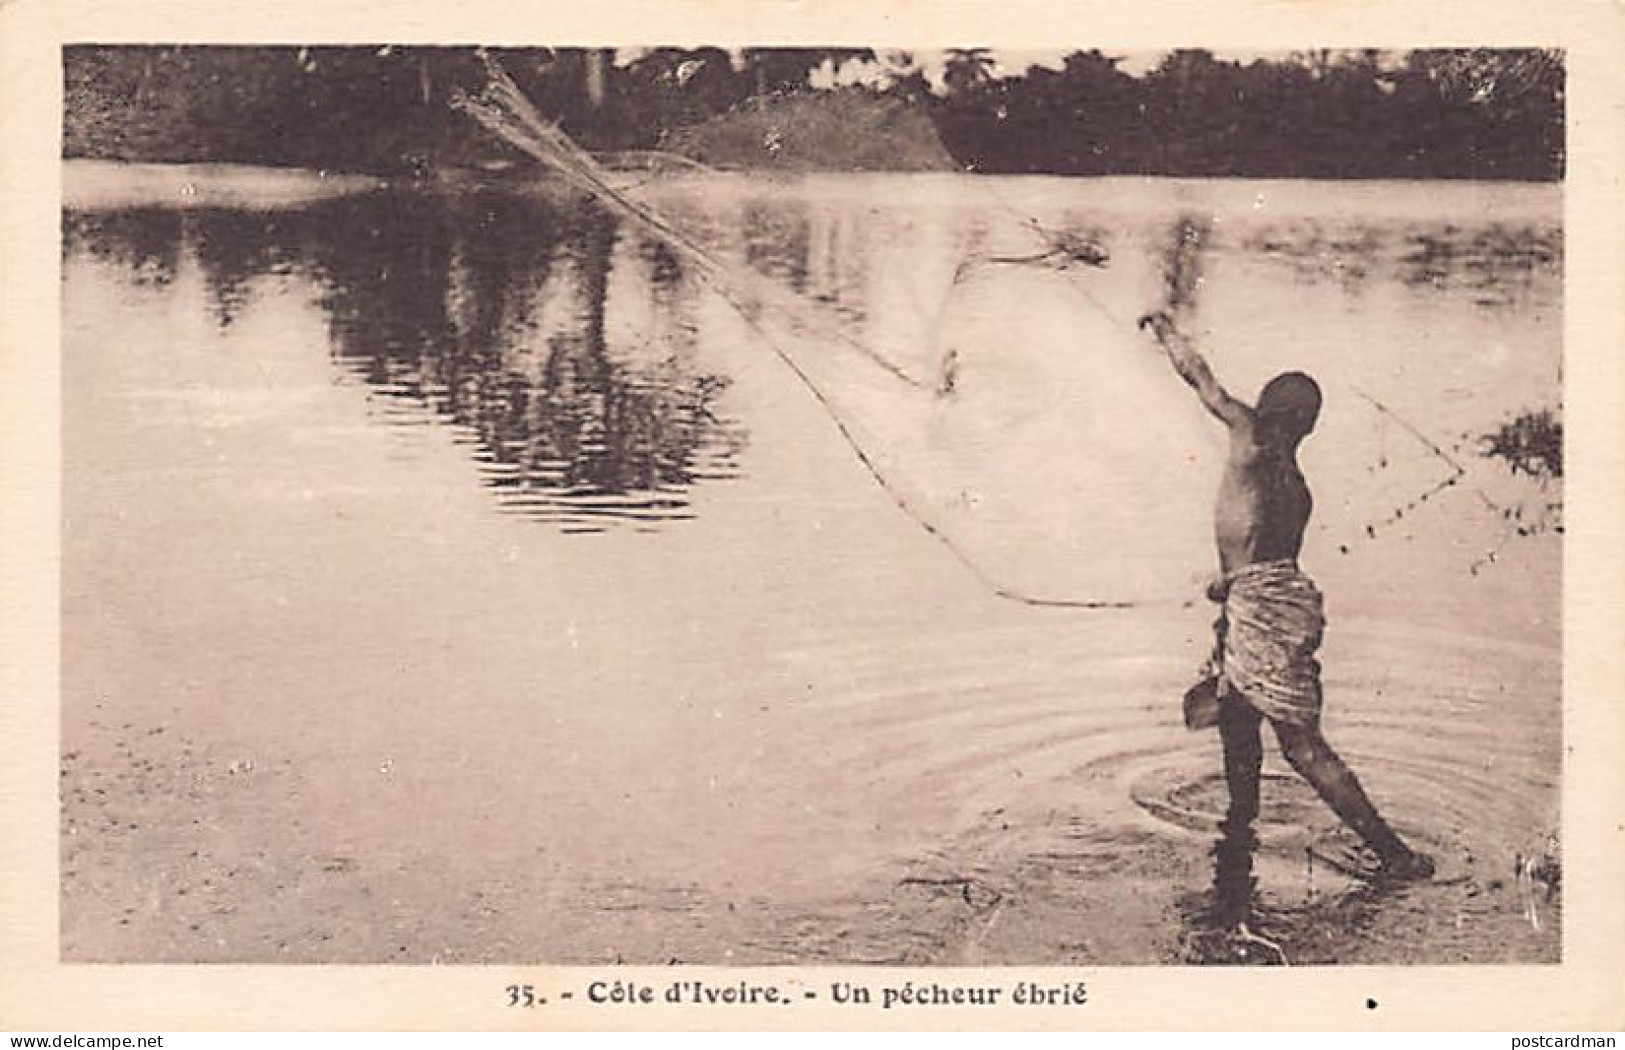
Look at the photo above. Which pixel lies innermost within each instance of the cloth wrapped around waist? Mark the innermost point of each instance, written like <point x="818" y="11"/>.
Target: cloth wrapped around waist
<point x="1266" y="640"/>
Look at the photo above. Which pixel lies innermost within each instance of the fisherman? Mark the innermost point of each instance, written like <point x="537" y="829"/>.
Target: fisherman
<point x="1263" y="665"/>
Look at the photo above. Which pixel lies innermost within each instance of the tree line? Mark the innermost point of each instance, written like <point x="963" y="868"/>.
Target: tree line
<point x="1496" y="114"/>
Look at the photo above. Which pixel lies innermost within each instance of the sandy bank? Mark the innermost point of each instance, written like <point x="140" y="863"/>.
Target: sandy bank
<point x="94" y="184"/>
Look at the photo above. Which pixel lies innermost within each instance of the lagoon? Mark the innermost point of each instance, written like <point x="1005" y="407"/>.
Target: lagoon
<point x="456" y="577"/>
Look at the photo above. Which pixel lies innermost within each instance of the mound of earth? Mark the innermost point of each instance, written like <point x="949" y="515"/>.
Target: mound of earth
<point x="828" y="131"/>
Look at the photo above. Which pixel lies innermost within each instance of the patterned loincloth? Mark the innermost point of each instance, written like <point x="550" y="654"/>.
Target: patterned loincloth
<point x="1266" y="639"/>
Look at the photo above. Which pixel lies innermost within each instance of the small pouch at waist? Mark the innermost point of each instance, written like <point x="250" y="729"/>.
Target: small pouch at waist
<point x="1202" y="704"/>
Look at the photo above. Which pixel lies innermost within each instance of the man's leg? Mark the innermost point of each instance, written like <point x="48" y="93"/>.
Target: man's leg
<point x="1243" y="760"/>
<point x="1307" y="752"/>
<point x="1233" y="854"/>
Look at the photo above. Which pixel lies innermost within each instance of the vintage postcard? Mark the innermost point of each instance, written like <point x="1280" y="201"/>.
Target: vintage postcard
<point x="747" y="517"/>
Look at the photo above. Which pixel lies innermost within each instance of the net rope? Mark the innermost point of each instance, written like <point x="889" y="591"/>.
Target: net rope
<point x="503" y="109"/>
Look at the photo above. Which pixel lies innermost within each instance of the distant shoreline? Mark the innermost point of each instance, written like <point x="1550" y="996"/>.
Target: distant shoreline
<point x="219" y="171"/>
<point x="93" y="184"/>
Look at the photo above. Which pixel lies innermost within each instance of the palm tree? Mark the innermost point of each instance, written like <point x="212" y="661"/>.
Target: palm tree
<point x="967" y="68"/>
<point x="904" y="78"/>
<point x="780" y="69"/>
<point x="599" y="59"/>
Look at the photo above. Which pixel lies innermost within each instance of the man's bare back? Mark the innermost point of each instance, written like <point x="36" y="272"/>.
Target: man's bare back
<point x="1264" y="503"/>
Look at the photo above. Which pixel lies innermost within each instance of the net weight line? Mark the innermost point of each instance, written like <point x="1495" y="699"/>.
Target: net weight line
<point x="505" y="111"/>
<point x="1182" y="279"/>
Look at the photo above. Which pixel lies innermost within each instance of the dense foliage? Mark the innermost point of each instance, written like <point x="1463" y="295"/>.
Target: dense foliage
<point x="1345" y="114"/>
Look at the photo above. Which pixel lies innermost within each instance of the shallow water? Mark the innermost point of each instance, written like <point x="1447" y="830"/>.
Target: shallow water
<point x="460" y="579"/>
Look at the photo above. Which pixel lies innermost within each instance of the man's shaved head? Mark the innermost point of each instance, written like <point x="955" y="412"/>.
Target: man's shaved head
<point x="1289" y="404"/>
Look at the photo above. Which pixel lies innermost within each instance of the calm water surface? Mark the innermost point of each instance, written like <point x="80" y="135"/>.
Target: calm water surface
<point x="476" y="510"/>
<point x="570" y="355"/>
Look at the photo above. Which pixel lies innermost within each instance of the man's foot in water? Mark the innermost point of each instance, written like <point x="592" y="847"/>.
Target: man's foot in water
<point x="1406" y="866"/>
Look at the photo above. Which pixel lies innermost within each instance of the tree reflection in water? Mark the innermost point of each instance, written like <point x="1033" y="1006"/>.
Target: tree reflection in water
<point x="488" y="310"/>
<point x="145" y="241"/>
<point x="492" y="309"/>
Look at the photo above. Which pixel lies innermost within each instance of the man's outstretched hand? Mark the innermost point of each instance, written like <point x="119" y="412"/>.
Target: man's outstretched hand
<point x="1193" y="368"/>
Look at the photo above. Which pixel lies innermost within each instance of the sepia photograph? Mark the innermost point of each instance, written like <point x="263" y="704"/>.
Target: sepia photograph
<point x="768" y="518"/>
<point x="811" y="505"/>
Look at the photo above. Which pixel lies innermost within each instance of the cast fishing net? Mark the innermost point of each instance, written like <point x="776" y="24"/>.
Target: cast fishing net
<point x="1024" y="422"/>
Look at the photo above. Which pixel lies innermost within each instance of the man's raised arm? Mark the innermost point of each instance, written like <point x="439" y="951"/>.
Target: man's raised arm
<point x="1193" y="368"/>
